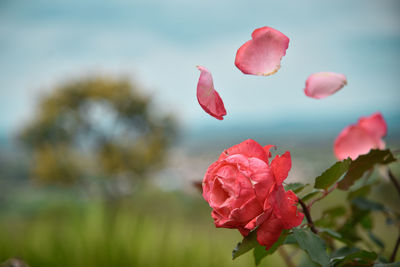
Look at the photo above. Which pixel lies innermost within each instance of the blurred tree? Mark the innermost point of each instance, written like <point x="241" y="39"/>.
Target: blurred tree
<point x="97" y="131"/>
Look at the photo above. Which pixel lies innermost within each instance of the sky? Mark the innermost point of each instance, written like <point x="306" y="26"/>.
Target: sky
<point x="157" y="44"/>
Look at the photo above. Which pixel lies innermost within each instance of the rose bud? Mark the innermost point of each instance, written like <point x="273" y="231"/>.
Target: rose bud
<point x="246" y="193"/>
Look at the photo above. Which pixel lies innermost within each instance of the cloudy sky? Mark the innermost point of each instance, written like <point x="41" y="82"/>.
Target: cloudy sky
<point x="158" y="44"/>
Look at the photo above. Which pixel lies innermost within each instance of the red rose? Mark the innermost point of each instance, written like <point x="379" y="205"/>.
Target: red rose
<point x="245" y="191"/>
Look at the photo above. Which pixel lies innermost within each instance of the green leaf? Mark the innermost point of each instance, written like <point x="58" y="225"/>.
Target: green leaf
<point x="334" y="212"/>
<point x="311" y="194"/>
<point x="356" y="216"/>
<point x="376" y="240"/>
<point x="366" y="222"/>
<point x="247" y="244"/>
<point x="260" y="252"/>
<point x="331" y="175"/>
<point x="343" y="251"/>
<point x="393" y="264"/>
<point x="366" y="204"/>
<point x="360" y="192"/>
<point x="359" y="258"/>
<point x="313" y="245"/>
<point x="295" y="187"/>
<point x="364" y="163"/>
<point x="330" y="216"/>
<point x="290" y="240"/>
<point x="331" y="233"/>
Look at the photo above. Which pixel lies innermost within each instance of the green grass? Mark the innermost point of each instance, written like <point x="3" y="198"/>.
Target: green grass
<point x="150" y="229"/>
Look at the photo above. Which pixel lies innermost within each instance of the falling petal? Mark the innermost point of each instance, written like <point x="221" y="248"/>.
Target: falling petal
<point x="208" y="97"/>
<point x="262" y="55"/>
<point x="322" y="84"/>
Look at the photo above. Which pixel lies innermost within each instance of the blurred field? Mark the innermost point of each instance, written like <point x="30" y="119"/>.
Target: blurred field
<point x="149" y="229"/>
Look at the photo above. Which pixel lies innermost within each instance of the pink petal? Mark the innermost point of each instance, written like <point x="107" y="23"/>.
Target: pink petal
<point x="268" y="232"/>
<point x="281" y="166"/>
<point x="375" y="124"/>
<point x="208" y="98"/>
<point x="354" y="141"/>
<point x="248" y="148"/>
<point x="262" y="55"/>
<point x="323" y="84"/>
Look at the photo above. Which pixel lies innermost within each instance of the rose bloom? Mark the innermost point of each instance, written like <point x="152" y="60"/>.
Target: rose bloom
<point x="358" y="139"/>
<point x="245" y="192"/>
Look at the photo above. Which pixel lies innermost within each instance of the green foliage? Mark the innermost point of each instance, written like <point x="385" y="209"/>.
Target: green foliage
<point x="98" y="128"/>
<point x="331" y="175"/>
<point x="295" y="187"/>
<point x="260" y="252"/>
<point x="359" y="258"/>
<point x="311" y="194"/>
<point x="376" y="240"/>
<point x="363" y="164"/>
<point x="313" y="245"/>
<point x="394" y="264"/>
<point x="360" y="192"/>
<point x="249" y="242"/>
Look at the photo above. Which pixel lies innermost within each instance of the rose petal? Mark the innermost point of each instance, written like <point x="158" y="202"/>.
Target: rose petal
<point x="354" y="141"/>
<point x="267" y="150"/>
<point x="250" y="210"/>
<point x="268" y="232"/>
<point x="375" y="124"/>
<point x="243" y="231"/>
<point x="218" y="194"/>
<point x="281" y="166"/>
<point x="262" y="55"/>
<point x="248" y="148"/>
<point x="220" y="220"/>
<point x="208" y="97"/>
<point x="262" y="179"/>
<point x="323" y="84"/>
<point x="258" y="220"/>
<point x="285" y="207"/>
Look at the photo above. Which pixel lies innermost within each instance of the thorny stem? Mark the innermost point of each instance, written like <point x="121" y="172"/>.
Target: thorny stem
<point x="308" y="216"/>
<point x="286" y="257"/>
<point x="396" y="247"/>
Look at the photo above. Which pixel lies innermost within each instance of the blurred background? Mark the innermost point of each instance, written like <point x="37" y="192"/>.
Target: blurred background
<point x="102" y="138"/>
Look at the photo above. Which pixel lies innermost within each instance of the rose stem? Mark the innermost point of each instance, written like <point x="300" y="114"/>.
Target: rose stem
<point x="394" y="181"/>
<point x="396" y="184"/>
<point x="285" y="257"/>
<point x="326" y="192"/>
<point x="393" y="256"/>
<point x="308" y="216"/>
